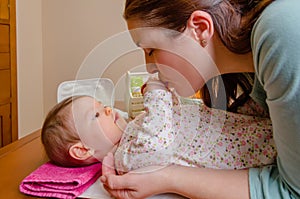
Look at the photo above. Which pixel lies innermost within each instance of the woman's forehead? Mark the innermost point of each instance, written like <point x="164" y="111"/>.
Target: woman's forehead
<point x="151" y="38"/>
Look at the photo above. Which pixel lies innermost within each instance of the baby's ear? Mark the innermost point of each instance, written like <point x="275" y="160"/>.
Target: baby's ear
<point x="79" y="152"/>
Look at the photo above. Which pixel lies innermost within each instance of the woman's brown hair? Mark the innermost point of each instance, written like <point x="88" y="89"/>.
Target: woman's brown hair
<point x="233" y="22"/>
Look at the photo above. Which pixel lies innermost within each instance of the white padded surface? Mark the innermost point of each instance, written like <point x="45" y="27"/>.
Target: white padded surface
<point x="101" y="89"/>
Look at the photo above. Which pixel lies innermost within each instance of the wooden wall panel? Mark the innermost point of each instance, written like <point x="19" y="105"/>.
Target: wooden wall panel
<point x="5" y="125"/>
<point x="4" y="38"/>
<point x="4" y="10"/>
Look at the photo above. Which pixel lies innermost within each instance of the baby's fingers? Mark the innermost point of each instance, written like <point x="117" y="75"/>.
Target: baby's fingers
<point x="108" y="165"/>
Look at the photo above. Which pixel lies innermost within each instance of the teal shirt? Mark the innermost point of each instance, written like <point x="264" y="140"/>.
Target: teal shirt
<point x="275" y="44"/>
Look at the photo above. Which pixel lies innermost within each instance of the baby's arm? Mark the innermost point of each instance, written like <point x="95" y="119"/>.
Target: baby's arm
<point x="148" y="138"/>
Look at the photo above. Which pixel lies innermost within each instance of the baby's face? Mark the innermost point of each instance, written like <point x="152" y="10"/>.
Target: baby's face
<point x="96" y="125"/>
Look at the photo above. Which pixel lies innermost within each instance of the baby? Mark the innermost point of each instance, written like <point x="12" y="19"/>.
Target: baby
<point x="80" y="131"/>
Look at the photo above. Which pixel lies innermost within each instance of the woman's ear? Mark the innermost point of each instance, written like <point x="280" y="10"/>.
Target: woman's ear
<point x="79" y="152"/>
<point x="202" y="27"/>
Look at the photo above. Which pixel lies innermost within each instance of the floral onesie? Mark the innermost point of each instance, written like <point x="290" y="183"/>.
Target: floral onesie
<point x="170" y="132"/>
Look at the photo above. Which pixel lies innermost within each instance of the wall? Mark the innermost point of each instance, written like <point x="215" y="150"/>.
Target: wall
<point x="29" y="66"/>
<point x="62" y="40"/>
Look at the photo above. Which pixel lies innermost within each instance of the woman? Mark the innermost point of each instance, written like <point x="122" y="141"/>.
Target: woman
<point x="239" y="36"/>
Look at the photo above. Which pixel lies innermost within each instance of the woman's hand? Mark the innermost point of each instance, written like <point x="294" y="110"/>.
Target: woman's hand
<point x="186" y="181"/>
<point x="132" y="185"/>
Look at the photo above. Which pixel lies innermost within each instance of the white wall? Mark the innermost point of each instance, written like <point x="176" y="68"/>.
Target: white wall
<point x="29" y="66"/>
<point x="60" y="40"/>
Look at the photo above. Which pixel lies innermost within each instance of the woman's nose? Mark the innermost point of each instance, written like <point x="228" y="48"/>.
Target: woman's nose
<point x="107" y="110"/>
<point x="150" y="64"/>
<point x="151" y="68"/>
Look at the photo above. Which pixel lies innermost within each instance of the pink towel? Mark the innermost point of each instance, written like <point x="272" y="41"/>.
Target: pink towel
<point x="53" y="181"/>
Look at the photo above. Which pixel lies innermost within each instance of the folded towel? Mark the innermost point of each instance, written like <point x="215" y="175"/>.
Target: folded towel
<point x="53" y="181"/>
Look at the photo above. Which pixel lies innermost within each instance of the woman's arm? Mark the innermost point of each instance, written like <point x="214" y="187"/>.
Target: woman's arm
<point x="276" y="50"/>
<point x="187" y="181"/>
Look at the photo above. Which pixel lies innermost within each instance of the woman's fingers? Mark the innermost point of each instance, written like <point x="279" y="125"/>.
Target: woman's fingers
<point x="120" y="193"/>
<point x="119" y="187"/>
<point x="117" y="182"/>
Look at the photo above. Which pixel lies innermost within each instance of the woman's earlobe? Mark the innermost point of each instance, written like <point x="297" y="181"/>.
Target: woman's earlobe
<point x="202" y="25"/>
<point x="79" y="152"/>
<point x="203" y="42"/>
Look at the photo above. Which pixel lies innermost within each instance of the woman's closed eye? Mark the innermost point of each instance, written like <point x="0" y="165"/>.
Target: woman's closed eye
<point x="149" y="51"/>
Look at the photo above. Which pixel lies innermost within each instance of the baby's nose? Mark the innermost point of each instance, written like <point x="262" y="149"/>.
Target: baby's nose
<point x="108" y="110"/>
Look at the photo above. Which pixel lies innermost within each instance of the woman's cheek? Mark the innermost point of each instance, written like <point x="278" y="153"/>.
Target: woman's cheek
<point x="179" y="74"/>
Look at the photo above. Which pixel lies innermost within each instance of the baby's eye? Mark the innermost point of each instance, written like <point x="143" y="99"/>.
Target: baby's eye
<point x="97" y="114"/>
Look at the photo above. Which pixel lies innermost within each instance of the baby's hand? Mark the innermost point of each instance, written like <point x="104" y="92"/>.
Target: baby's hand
<point x="152" y="84"/>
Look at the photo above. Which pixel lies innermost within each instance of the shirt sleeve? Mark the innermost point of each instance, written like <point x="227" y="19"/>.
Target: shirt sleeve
<point x="276" y="50"/>
<point x="148" y="139"/>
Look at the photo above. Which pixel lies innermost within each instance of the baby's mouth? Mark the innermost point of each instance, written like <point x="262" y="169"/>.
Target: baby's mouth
<point x="120" y="121"/>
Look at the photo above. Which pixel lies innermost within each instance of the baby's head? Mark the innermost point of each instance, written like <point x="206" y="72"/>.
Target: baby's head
<point x="80" y="131"/>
